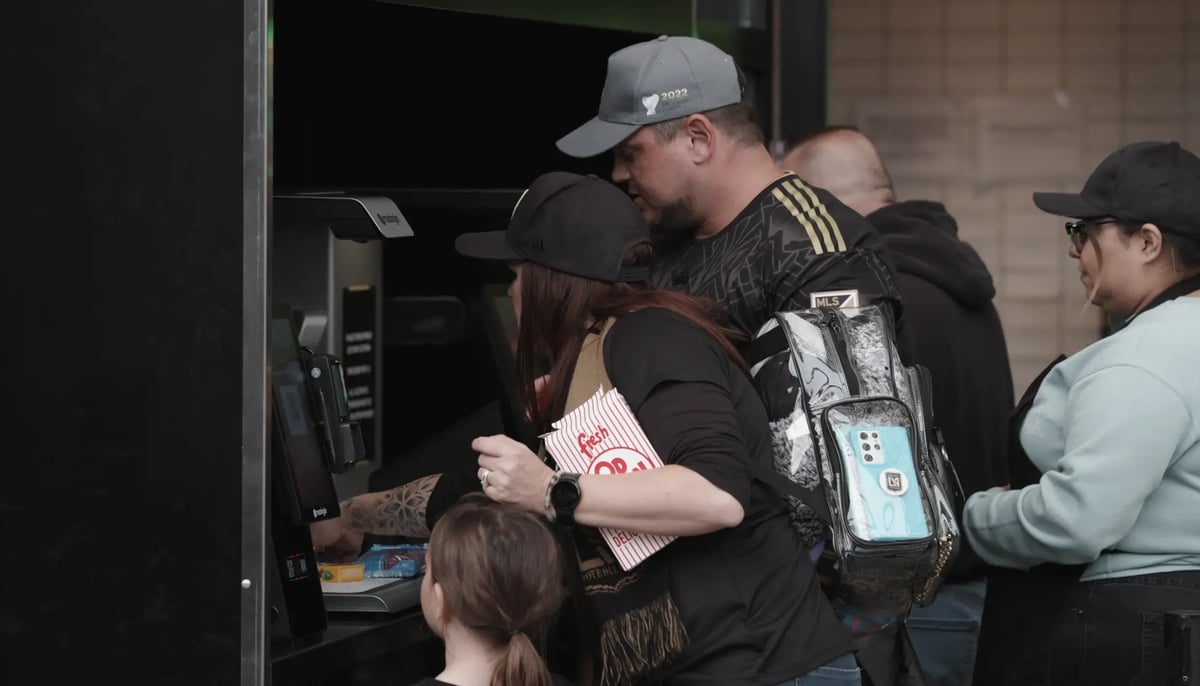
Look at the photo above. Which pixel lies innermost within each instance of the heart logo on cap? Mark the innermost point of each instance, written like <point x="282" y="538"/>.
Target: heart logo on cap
<point x="650" y="102"/>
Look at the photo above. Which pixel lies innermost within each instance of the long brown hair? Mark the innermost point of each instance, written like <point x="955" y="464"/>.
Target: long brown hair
<point x="501" y="573"/>
<point x="556" y="306"/>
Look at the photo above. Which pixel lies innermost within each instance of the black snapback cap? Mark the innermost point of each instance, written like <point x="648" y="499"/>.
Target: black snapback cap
<point x="581" y="225"/>
<point x="1149" y="181"/>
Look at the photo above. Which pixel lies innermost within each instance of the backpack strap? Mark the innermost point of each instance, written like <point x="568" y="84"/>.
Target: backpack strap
<point x="814" y="499"/>
<point x="590" y="374"/>
<point x="758" y="349"/>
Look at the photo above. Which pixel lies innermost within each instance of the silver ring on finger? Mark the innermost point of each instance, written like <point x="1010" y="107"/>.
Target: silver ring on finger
<point x="483" y="480"/>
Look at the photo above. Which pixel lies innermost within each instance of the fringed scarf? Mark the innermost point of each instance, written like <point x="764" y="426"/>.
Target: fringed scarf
<point x="640" y="630"/>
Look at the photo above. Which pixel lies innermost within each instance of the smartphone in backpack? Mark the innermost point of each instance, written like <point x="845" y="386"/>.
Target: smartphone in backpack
<point x="881" y="477"/>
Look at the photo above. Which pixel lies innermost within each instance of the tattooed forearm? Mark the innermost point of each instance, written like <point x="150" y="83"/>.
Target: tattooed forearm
<point x="396" y="512"/>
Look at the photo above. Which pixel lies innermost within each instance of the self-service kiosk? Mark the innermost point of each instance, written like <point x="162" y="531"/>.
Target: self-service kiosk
<point x="325" y="366"/>
<point x="309" y="441"/>
<point x="328" y="266"/>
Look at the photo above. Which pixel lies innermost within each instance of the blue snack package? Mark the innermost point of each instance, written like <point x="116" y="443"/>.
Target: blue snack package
<point x="393" y="561"/>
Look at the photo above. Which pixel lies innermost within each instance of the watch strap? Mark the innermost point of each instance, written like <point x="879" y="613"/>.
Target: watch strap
<point x="551" y="513"/>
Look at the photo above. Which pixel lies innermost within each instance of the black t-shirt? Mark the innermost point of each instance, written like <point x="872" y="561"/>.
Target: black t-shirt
<point x="749" y="596"/>
<point x="791" y="241"/>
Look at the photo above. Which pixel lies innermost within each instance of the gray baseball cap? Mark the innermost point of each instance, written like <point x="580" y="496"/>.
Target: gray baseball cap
<point x="665" y="78"/>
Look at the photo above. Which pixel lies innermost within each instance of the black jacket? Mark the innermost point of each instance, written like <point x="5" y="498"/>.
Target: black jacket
<point x="952" y="328"/>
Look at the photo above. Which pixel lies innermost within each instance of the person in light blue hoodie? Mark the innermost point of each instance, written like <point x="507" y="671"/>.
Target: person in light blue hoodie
<point x="1113" y="432"/>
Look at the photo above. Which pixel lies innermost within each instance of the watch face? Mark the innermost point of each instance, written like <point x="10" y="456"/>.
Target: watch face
<point x="565" y="494"/>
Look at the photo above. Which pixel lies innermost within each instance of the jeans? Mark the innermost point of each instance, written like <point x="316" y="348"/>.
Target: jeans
<point x="1108" y="631"/>
<point x="840" y="672"/>
<point x="945" y="634"/>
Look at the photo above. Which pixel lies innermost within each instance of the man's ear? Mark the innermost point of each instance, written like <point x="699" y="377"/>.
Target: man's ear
<point x="701" y="137"/>
<point x="1150" y="241"/>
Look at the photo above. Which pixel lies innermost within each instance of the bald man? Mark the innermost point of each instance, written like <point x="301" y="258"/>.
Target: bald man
<point x="844" y="162"/>
<point x="952" y="328"/>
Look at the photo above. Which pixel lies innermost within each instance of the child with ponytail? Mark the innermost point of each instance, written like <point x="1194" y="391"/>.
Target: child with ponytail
<point x="492" y="587"/>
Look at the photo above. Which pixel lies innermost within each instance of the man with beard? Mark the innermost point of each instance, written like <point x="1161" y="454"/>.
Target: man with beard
<point x="955" y="332"/>
<point x="729" y="225"/>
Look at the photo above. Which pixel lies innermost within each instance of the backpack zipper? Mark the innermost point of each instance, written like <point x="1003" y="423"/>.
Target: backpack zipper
<point x="837" y="331"/>
<point x="931" y="433"/>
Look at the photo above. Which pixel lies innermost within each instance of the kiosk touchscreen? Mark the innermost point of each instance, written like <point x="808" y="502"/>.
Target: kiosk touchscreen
<point x="302" y="489"/>
<point x="309" y="493"/>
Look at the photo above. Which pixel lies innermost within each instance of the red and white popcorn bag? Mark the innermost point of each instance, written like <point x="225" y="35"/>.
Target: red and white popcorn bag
<point x="602" y="436"/>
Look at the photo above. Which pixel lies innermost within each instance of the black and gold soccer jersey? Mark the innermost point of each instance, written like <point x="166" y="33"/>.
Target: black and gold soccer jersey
<point x="791" y="243"/>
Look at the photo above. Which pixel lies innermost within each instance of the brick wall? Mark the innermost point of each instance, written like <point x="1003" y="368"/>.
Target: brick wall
<point x="977" y="103"/>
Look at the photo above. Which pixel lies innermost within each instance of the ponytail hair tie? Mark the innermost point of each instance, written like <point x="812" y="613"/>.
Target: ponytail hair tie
<point x="509" y="631"/>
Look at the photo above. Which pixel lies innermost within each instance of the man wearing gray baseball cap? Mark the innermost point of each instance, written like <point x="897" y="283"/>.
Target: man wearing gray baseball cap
<point x="653" y="82"/>
<point x="729" y="224"/>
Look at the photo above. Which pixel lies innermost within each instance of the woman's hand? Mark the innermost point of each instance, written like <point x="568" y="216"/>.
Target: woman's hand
<point x="334" y="540"/>
<point x="510" y="473"/>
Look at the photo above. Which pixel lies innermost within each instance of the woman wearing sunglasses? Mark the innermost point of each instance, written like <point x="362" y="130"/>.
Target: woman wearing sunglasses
<point x="1099" y="535"/>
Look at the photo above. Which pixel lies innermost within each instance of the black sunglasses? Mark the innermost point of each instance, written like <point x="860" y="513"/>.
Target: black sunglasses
<point x="1080" y="231"/>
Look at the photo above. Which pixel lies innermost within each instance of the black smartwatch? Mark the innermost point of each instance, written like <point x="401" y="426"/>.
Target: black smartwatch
<point x="564" y="497"/>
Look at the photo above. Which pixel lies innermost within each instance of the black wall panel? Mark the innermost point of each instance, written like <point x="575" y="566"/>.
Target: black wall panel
<point x="120" y="494"/>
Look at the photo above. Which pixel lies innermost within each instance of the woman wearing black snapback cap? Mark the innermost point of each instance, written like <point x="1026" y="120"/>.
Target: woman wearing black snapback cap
<point x="735" y="598"/>
<point x="1099" y="536"/>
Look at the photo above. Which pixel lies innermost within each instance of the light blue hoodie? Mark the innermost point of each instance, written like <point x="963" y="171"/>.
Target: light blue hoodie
<point x="1115" y="430"/>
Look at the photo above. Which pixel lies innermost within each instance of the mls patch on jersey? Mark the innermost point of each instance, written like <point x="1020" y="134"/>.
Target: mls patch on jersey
<point x="840" y="299"/>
